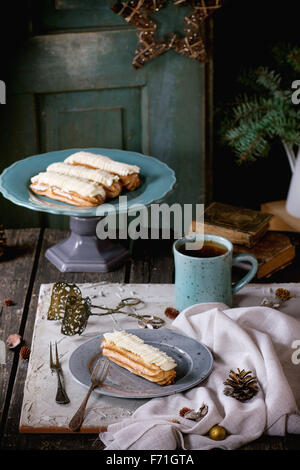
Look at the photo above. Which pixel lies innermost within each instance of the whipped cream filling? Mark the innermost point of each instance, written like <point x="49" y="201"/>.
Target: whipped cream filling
<point x="137" y="346"/>
<point x="78" y="171"/>
<point x="68" y="184"/>
<point x="103" y="163"/>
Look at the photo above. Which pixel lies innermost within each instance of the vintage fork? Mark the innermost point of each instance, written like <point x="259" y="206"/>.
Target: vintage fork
<point x="98" y="376"/>
<point x="61" y="395"/>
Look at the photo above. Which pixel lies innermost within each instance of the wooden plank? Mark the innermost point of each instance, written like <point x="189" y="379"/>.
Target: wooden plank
<point x="47" y="273"/>
<point x="273" y="443"/>
<point x="152" y="262"/>
<point x="15" y="282"/>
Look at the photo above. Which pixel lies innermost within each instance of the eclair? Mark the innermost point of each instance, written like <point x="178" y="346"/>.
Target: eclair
<point x="75" y="191"/>
<point x="110" y="182"/>
<point x="128" y="174"/>
<point x="132" y="353"/>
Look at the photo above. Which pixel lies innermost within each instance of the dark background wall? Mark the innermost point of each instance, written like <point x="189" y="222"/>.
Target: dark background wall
<point x="14" y="29"/>
<point x="245" y="31"/>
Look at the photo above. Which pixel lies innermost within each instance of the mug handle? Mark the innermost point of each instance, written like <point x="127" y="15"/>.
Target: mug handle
<point x="249" y="276"/>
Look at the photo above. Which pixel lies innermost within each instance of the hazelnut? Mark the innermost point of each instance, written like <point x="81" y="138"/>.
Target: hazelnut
<point x="171" y="312"/>
<point x="24" y="352"/>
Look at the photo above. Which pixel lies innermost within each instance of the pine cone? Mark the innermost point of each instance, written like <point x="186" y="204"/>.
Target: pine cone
<point x="283" y="294"/>
<point x="241" y="385"/>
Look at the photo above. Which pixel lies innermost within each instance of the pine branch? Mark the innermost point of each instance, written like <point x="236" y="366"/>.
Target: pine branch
<point x="256" y="121"/>
<point x="251" y="109"/>
<point x="249" y="152"/>
<point x="270" y="81"/>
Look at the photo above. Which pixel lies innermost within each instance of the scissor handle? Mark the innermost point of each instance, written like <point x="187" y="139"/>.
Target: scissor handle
<point x="129" y="301"/>
<point x="152" y="319"/>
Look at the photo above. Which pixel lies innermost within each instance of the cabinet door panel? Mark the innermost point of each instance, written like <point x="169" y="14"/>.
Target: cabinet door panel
<point x="104" y="118"/>
<point x="55" y="15"/>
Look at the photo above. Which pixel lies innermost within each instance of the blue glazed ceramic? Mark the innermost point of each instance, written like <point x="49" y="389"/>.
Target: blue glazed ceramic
<point x="199" y="280"/>
<point x="157" y="181"/>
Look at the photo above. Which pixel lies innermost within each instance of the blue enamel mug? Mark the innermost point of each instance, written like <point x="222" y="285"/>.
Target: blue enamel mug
<point x="208" y="279"/>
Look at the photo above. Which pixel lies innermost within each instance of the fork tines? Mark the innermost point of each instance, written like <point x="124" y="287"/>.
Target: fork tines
<point x="55" y="364"/>
<point x="104" y="368"/>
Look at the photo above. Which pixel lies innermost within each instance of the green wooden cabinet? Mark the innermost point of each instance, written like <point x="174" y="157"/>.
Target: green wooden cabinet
<point x="72" y="85"/>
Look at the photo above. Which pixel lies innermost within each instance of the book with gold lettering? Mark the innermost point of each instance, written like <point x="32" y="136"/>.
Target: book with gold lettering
<point x="241" y="226"/>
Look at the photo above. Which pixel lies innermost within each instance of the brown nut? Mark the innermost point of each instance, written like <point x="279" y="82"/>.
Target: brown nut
<point x="171" y="312"/>
<point x="24" y="352"/>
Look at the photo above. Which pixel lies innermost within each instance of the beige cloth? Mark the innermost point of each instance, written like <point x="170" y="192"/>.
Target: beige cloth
<point x="260" y="339"/>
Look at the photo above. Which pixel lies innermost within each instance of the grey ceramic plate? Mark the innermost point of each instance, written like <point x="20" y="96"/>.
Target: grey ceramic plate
<point x="194" y="363"/>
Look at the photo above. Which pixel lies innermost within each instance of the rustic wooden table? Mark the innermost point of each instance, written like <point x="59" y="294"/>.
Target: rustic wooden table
<point x="20" y="279"/>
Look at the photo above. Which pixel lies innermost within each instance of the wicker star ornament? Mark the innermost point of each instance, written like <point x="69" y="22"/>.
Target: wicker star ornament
<point x="137" y="13"/>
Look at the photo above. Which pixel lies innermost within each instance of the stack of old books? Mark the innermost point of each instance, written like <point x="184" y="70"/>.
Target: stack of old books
<point x="249" y="232"/>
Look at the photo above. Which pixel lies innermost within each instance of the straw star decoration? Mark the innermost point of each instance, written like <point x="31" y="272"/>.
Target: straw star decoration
<point x="137" y="13"/>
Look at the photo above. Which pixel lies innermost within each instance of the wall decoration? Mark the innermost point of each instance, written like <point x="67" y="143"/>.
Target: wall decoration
<point x="137" y="13"/>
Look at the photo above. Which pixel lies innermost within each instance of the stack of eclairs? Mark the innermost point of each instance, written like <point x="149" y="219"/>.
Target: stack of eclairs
<point x="86" y="179"/>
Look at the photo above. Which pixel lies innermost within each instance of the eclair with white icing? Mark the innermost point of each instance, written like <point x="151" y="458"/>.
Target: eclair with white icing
<point x="75" y="191"/>
<point x="132" y="353"/>
<point x="110" y="182"/>
<point x="128" y="174"/>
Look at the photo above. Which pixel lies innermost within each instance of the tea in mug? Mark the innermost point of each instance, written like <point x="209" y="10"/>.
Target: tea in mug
<point x="210" y="249"/>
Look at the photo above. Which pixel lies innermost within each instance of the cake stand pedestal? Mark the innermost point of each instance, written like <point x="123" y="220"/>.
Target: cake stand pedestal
<point x="82" y="251"/>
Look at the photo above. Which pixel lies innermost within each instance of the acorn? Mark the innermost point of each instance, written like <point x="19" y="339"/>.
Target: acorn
<point x="13" y="341"/>
<point x="24" y="352"/>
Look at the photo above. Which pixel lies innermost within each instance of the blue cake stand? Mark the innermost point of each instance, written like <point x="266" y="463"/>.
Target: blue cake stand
<point x="82" y="251"/>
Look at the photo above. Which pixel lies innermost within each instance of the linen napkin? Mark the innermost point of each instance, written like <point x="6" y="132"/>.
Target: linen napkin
<point x="259" y="339"/>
